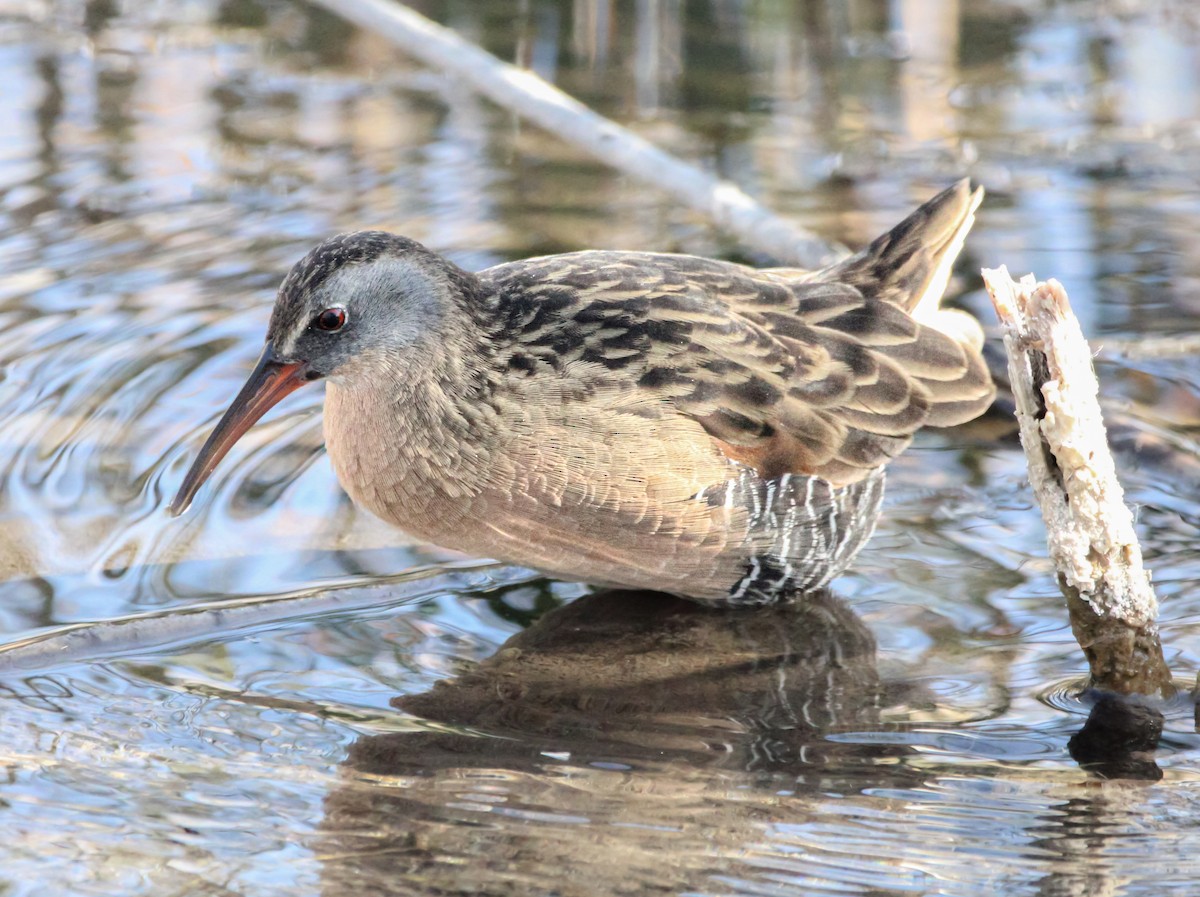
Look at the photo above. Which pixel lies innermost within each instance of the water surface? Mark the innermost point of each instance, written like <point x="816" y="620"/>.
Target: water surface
<point x="162" y="165"/>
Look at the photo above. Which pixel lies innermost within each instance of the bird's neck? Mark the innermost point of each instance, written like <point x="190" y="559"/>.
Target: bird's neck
<point x="413" y="439"/>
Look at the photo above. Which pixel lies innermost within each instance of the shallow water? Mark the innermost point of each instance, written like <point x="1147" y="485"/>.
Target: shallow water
<point x="484" y="731"/>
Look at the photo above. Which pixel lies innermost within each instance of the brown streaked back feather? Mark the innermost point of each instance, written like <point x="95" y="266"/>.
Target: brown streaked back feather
<point x="826" y="373"/>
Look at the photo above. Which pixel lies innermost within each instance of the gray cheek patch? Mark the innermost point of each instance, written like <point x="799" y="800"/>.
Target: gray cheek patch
<point x="389" y="303"/>
<point x="394" y="301"/>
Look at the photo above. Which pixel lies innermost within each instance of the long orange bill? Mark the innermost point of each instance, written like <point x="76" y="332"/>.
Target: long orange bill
<point x="270" y="381"/>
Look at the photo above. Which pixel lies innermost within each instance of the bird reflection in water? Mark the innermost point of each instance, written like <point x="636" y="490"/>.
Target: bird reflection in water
<point x="614" y="730"/>
<point x="633" y="737"/>
<point x="637" y="676"/>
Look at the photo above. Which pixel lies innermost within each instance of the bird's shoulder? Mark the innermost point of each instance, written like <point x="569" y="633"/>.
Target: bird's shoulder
<point x="645" y="319"/>
<point x="561" y="285"/>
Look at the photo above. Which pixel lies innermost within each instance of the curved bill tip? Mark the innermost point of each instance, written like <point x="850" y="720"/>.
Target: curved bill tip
<point x="269" y="382"/>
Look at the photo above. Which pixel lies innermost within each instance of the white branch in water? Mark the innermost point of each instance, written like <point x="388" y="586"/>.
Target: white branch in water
<point x="1090" y="529"/>
<point x="548" y="107"/>
<point x="162" y="631"/>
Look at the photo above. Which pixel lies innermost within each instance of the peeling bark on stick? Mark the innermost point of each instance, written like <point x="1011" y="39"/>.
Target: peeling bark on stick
<point x="1090" y="532"/>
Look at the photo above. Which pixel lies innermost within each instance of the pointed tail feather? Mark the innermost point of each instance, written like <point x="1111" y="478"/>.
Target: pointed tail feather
<point x="910" y="265"/>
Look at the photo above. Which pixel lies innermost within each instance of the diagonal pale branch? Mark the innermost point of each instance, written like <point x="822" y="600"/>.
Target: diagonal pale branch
<point x="548" y="107"/>
<point x="1089" y="527"/>
<point x="164" y="631"/>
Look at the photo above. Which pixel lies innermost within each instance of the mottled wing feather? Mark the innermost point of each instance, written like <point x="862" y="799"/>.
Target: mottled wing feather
<point x="825" y="372"/>
<point x="653" y="323"/>
<point x="805" y="377"/>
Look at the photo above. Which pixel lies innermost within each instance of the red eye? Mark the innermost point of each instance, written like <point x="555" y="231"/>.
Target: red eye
<point x="330" y="320"/>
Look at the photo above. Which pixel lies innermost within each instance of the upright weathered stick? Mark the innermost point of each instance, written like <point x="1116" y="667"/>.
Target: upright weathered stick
<point x="1090" y="531"/>
<point x="548" y="107"/>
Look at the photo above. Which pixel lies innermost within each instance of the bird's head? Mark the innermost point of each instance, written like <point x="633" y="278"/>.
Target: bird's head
<point x="367" y="304"/>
